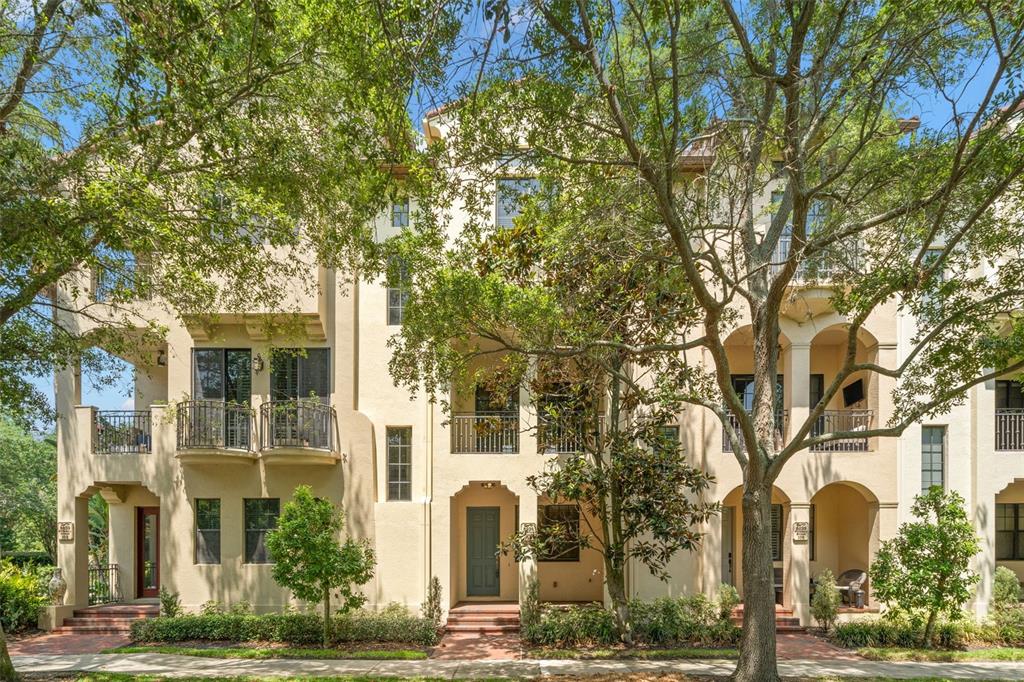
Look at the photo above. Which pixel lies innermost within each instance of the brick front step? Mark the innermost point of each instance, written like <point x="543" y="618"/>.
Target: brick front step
<point x="483" y="629"/>
<point x="94" y="629"/>
<point x="79" y="621"/>
<point x="482" y="618"/>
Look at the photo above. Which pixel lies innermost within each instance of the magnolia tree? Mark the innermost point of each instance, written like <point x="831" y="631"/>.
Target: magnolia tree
<point x="173" y="150"/>
<point x="310" y="559"/>
<point x="924" y="571"/>
<point x="657" y="134"/>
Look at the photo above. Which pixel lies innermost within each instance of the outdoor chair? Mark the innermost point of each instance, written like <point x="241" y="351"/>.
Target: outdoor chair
<point x="851" y="586"/>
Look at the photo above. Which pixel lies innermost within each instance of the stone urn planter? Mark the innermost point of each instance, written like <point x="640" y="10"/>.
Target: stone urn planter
<point x="57" y="588"/>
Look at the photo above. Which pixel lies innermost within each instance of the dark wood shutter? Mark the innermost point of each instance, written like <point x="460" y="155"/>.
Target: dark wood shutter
<point x="776" y="532"/>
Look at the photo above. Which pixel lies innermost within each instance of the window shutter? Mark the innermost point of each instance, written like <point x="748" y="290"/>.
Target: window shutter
<point x="315" y="374"/>
<point x="284" y="380"/>
<point x="776" y="532"/>
<point x="208" y="374"/>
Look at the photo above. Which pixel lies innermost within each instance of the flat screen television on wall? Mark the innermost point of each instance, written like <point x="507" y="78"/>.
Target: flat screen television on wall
<point x="853" y="393"/>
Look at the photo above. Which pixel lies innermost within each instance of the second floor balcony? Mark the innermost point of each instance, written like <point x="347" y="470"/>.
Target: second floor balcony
<point x="781" y="424"/>
<point x="570" y="434"/>
<point x="214" y="425"/>
<point x="843" y="421"/>
<point x="485" y="433"/>
<point x="1009" y="428"/>
<point x="306" y="424"/>
<point x="122" y="432"/>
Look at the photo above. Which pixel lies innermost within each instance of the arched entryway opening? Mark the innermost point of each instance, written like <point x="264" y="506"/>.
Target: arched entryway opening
<point x="855" y="406"/>
<point x="483" y="515"/>
<point x="739" y="348"/>
<point x="732" y="539"/>
<point x="843" y="518"/>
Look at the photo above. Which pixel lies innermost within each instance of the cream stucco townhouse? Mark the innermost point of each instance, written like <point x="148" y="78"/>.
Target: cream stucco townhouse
<point x="221" y="434"/>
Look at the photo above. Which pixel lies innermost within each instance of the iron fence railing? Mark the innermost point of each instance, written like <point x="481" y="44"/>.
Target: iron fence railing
<point x="781" y="424"/>
<point x="214" y="424"/>
<point x="569" y="435"/>
<point x="829" y="265"/>
<point x="122" y="431"/>
<point x="104" y="584"/>
<point x="297" y="423"/>
<point x="837" y="421"/>
<point x="485" y="433"/>
<point x="1010" y="428"/>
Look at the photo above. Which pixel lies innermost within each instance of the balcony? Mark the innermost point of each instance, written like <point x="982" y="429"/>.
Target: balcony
<point x="827" y="266"/>
<point x="297" y="432"/>
<point x="1009" y="428"/>
<point x="569" y="436"/>
<point x="485" y="433"/>
<point x="781" y="425"/>
<point x="835" y="421"/>
<point x="127" y="432"/>
<point x="211" y="431"/>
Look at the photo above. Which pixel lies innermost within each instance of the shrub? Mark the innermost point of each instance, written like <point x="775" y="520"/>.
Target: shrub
<point x="728" y="599"/>
<point x="901" y="633"/>
<point x="1005" y="589"/>
<point x="431" y="607"/>
<point x="210" y="608"/>
<point x="170" y="603"/>
<point x="826" y="600"/>
<point x="688" y="620"/>
<point x="393" y="624"/>
<point x="241" y="608"/>
<point x="1007" y="626"/>
<point x="22" y="595"/>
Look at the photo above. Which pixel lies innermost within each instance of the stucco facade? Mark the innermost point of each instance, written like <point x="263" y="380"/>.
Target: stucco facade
<point x="851" y="496"/>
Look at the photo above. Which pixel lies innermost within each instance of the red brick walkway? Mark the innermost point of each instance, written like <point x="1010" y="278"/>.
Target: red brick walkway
<point x="470" y="646"/>
<point x="65" y="643"/>
<point x="806" y="647"/>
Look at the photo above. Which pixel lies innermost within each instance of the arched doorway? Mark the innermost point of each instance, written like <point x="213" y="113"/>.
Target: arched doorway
<point x="843" y="517"/>
<point x="732" y="539"/>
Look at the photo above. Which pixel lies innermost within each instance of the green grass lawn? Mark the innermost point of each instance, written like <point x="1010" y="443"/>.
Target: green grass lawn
<point x="266" y="653"/>
<point x="122" y="677"/>
<point x="987" y="654"/>
<point x="643" y="654"/>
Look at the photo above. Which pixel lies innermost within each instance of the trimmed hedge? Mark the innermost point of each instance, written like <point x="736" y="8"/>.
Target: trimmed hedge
<point x="1004" y="628"/>
<point x="390" y="625"/>
<point x="694" y="621"/>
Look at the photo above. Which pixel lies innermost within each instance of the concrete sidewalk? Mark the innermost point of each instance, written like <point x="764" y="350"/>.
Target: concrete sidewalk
<point x="188" y="666"/>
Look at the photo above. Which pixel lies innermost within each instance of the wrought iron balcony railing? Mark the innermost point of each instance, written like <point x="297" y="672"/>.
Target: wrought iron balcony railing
<point x="826" y="266"/>
<point x="485" y="433"/>
<point x="1010" y="428"/>
<point x="836" y="421"/>
<point x="122" y="431"/>
<point x="565" y="436"/>
<point x="781" y="424"/>
<point x="297" y="424"/>
<point x="214" y="424"/>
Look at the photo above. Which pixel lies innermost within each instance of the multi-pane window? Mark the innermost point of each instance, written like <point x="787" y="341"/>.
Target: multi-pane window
<point x="1010" y="532"/>
<point x="399" y="463"/>
<point x="933" y="457"/>
<point x="1009" y="394"/>
<point x="398" y="289"/>
<point x="400" y="213"/>
<point x="776" y="532"/>
<point x="260" y="518"/>
<point x="561" y="524"/>
<point x="511" y="195"/>
<point x="207" y="531"/>
<point x="297" y="373"/>
<point x="222" y="374"/>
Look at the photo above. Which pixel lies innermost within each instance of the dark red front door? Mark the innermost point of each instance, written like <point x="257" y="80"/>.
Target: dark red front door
<point x="147" y="552"/>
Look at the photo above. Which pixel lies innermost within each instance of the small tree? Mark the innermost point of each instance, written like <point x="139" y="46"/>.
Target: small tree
<point x="431" y="606"/>
<point x="311" y="561"/>
<point x="923" y="572"/>
<point x="825" y="602"/>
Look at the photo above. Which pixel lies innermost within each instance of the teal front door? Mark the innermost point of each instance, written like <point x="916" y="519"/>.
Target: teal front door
<point x="482" y="570"/>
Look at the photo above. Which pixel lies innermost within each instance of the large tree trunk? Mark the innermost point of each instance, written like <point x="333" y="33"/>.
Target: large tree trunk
<point x="7" y="673"/>
<point x="757" y="661"/>
<point x="616" y="582"/>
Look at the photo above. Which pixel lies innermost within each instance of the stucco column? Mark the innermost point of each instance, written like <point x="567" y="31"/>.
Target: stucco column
<point x="884" y="527"/>
<point x="797" y="384"/>
<point x="73" y="555"/>
<point x="880" y="397"/>
<point x="527" y="515"/>
<point x="797" y="574"/>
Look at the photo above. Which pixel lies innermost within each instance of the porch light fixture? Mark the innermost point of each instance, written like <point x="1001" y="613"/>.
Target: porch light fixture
<point x="161" y="358"/>
<point x="257" y="363"/>
<point x="487" y="485"/>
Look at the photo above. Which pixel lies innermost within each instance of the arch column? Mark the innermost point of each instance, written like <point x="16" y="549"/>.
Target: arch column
<point x="884" y="527"/>
<point x="798" y="567"/>
<point x="527" y="516"/>
<point x="798" y="367"/>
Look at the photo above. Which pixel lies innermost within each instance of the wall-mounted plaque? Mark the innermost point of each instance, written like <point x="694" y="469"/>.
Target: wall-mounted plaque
<point x="66" y="531"/>
<point x="801" y="531"/>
